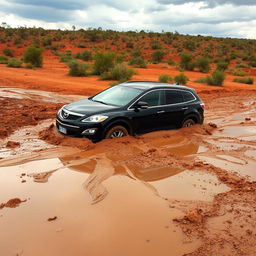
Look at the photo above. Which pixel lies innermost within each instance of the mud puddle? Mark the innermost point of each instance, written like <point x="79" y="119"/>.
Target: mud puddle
<point x="24" y="140"/>
<point x="36" y="95"/>
<point x="58" y="208"/>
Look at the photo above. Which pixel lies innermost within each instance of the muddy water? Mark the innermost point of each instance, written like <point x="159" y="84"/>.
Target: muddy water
<point x="131" y="220"/>
<point x="18" y="93"/>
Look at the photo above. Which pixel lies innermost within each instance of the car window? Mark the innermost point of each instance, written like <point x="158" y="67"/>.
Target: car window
<point x="152" y="98"/>
<point x="188" y="96"/>
<point x="173" y="97"/>
<point x="117" y="95"/>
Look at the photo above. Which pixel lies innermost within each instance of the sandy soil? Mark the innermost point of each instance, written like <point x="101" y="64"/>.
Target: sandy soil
<point x="181" y="192"/>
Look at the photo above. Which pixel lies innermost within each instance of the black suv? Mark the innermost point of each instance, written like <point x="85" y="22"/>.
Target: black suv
<point x="133" y="107"/>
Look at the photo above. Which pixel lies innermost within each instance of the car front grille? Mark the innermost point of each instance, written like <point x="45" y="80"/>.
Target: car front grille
<point x="68" y="116"/>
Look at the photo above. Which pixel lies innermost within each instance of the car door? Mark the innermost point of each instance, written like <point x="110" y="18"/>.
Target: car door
<point x="146" y="120"/>
<point x="174" y="108"/>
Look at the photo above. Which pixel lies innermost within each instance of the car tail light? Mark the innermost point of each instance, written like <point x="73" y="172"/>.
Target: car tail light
<point x="202" y="105"/>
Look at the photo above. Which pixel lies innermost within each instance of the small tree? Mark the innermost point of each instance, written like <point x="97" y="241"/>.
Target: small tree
<point x="222" y="65"/>
<point x="103" y="62"/>
<point x="85" y="55"/>
<point x="33" y="55"/>
<point x="165" y="78"/>
<point x="77" y="68"/>
<point x="14" y="63"/>
<point x="157" y="56"/>
<point x="138" y="62"/>
<point x="186" y="61"/>
<point x="203" y="64"/>
<point x="217" y="78"/>
<point x="119" y="72"/>
<point x="181" y="79"/>
<point x="8" y="52"/>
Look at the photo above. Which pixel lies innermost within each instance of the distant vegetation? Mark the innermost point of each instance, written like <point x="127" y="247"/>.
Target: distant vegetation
<point x="244" y="80"/>
<point x="33" y="55"/>
<point x="104" y="50"/>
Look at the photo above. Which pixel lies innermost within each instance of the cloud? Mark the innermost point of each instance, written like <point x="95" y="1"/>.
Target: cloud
<point x="208" y="17"/>
<point x="63" y="4"/>
<point x="208" y="3"/>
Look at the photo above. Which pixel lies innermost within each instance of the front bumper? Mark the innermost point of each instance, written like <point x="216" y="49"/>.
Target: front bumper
<point x="92" y="131"/>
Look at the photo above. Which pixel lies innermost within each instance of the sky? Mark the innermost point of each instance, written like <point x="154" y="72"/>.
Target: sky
<point x="222" y="18"/>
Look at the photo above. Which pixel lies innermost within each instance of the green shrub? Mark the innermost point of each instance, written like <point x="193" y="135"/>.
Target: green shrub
<point x="130" y="45"/>
<point x="222" y="65"/>
<point x="202" y="80"/>
<point x="3" y="59"/>
<point x="119" y="72"/>
<point x="136" y="52"/>
<point x="81" y="45"/>
<point x="186" y="61"/>
<point x="138" y="62"/>
<point x="181" y="79"/>
<point x="242" y="65"/>
<point x="47" y="41"/>
<point x="8" y="52"/>
<point x="155" y="45"/>
<point x="14" y="63"/>
<point x="216" y="78"/>
<point x="65" y="58"/>
<point x="239" y="73"/>
<point x="77" y="68"/>
<point x="203" y="64"/>
<point x="33" y="55"/>
<point x="171" y="62"/>
<point x="103" y="62"/>
<point x="190" y="45"/>
<point x="85" y="55"/>
<point x="244" y="80"/>
<point x="165" y="78"/>
<point x="157" y="56"/>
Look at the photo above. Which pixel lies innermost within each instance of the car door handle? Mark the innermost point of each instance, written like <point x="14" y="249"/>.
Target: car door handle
<point x="185" y="108"/>
<point x="161" y="111"/>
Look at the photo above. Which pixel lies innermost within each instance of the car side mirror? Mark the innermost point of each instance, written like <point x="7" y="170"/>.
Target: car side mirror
<point x="141" y="105"/>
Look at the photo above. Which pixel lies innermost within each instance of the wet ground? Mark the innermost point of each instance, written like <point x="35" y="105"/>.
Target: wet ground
<point x="180" y="192"/>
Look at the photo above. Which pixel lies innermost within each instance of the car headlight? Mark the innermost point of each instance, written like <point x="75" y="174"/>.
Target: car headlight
<point x="95" y="119"/>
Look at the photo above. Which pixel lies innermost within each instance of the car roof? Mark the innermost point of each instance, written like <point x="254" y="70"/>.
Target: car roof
<point x="146" y="85"/>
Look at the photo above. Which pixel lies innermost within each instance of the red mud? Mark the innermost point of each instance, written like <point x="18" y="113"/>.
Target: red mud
<point x="16" y="113"/>
<point x="12" y="203"/>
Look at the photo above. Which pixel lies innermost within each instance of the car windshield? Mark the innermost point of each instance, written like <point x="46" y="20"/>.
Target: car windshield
<point x="117" y="95"/>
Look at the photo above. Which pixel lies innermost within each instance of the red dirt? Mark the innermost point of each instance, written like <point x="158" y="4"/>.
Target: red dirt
<point x="17" y="113"/>
<point x="12" y="203"/>
<point x="225" y="226"/>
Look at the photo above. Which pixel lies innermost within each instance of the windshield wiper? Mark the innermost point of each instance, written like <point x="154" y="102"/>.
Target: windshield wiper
<point x="100" y="102"/>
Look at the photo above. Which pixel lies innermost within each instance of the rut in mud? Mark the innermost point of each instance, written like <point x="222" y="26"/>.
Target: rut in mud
<point x="188" y="191"/>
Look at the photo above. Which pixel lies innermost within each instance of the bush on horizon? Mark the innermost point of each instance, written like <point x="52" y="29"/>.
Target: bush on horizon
<point x="14" y="63"/>
<point x="165" y="78"/>
<point x="157" y="56"/>
<point x="119" y="72"/>
<point x="244" y="80"/>
<point x="138" y="62"/>
<point x="181" y="79"/>
<point x="77" y="68"/>
<point x="33" y="55"/>
<point x="104" y="61"/>
<point x="186" y="62"/>
<point x="216" y="78"/>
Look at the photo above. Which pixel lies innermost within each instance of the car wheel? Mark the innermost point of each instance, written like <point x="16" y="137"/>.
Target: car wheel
<point x="116" y="132"/>
<point x="188" y="122"/>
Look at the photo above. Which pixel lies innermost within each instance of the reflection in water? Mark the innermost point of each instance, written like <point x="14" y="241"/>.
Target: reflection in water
<point x="103" y="166"/>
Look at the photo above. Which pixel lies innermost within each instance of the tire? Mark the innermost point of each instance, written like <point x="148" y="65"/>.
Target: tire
<point x="188" y="122"/>
<point x="116" y="132"/>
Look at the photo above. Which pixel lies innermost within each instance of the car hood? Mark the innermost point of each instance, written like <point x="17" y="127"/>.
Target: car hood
<point x="88" y="107"/>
